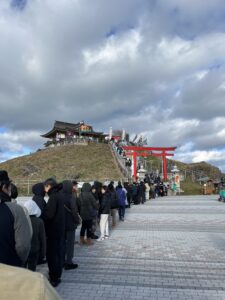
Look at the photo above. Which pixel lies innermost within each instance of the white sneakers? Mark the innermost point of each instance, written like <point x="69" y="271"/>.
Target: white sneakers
<point x="100" y="239"/>
<point x="106" y="237"/>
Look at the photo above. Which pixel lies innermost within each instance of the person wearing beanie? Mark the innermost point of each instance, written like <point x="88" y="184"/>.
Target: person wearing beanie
<point x="15" y="231"/>
<point x="38" y="242"/>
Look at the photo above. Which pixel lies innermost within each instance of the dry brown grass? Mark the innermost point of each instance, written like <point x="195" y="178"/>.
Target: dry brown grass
<point x="92" y="162"/>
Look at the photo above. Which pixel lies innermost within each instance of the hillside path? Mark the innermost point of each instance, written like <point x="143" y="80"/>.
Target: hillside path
<point x="168" y="248"/>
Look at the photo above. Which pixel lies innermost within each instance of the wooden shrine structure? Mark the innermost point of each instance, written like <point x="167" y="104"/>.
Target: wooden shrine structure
<point x="63" y="133"/>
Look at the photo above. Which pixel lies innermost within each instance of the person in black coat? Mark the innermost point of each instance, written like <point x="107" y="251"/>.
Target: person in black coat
<point x="39" y="193"/>
<point x="54" y="217"/>
<point x="114" y="203"/>
<point x="86" y="205"/>
<point x="71" y="222"/>
<point x="94" y="213"/>
<point x="105" y="207"/>
<point x="141" y="193"/>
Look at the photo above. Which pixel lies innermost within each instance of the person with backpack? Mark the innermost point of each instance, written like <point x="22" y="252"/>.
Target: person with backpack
<point x="122" y="201"/>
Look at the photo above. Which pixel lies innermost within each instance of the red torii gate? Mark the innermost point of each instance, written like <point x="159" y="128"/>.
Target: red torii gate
<point x="136" y="151"/>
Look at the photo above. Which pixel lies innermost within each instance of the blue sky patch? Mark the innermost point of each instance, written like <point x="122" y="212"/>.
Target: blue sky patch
<point x="111" y="32"/>
<point x="18" y="4"/>
<point x="2" y="130"/>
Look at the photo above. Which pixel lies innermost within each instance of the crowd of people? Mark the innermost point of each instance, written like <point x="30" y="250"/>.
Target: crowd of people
<point x="119" y="149"/>
<point x="43" y="231"/>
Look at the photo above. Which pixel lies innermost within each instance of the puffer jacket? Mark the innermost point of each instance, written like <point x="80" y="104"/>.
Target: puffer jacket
<point x="121" y="196"/>
<point x="39" y="194"/>
<point x="70" y="206"/>
<point x="87" y="202"/>
<point x="105" y="205"/>
<point x="15" y="233"/>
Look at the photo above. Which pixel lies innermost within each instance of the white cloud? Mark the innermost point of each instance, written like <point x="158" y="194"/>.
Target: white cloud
<point x="155" y="67"/>
<point x="115" y="50"/>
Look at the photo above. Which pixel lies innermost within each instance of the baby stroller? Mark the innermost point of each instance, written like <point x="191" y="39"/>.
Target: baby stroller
<point x="222" y="195"/>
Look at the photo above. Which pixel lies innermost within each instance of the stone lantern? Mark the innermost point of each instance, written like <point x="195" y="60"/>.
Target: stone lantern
<point x="141" y="173"/>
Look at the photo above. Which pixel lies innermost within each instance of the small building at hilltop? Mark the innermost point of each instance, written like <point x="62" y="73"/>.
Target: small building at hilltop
<point x="70" y="133"/>
<point x="118" y="135"/>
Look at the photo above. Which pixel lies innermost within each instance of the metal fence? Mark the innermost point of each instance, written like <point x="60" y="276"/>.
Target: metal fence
<point x="25" y="185"/>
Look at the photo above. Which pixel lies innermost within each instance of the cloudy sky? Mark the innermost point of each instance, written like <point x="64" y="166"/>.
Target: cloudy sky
<point x="150" y="66"/>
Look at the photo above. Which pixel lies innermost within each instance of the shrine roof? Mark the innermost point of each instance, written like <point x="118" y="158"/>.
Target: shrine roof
<point x="65" y="127"/>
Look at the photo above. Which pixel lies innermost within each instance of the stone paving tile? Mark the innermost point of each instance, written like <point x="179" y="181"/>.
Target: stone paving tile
<point x="168" y="248"/>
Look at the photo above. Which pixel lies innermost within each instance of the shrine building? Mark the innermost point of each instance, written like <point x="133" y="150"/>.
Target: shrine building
<point x="68" y="133"/>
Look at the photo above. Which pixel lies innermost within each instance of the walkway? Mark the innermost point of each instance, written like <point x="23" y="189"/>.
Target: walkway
<point x="169" y="248"/>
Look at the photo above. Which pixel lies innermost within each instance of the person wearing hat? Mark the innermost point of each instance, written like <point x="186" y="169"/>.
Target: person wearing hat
<point x="15" y="230"/>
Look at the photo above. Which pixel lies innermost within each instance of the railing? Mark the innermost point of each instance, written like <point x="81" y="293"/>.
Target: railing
<point x="25" y="185"/>
<point x="72" y="140"/>
<point x="121" y="162"/>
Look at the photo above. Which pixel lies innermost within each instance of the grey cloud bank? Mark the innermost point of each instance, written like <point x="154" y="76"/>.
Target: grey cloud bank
<point x="155" y="67"/>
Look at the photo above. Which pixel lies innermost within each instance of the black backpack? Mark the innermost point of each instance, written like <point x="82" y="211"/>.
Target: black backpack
<point x="114" y="200"/>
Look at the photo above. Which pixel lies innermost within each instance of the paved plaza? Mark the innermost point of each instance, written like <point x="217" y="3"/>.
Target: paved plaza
<point x="168" y="248"/>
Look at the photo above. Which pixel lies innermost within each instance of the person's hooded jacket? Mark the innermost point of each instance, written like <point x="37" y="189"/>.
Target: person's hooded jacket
<point x="15" y="232"/>
<point x="121" y="195"/>
<point x="38" y="242"/>
<point x="54" y="213"/>
<point x="39" y="194"/>
<point x="70" y="206"/>
<point x="87" y="202"/>
<point x="113" y="196"/>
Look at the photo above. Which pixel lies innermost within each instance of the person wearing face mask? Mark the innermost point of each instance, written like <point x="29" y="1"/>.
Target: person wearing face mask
<point x="15" y="230"/>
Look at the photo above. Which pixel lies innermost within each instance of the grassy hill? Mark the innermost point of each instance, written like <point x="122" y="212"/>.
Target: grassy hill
<point x="92" y="162"/>
<point x="191" y="172"/>
<point x="201" y="169"/>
